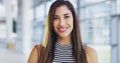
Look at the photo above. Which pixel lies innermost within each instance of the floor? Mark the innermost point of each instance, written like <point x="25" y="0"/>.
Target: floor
<point x="7" y="56"/>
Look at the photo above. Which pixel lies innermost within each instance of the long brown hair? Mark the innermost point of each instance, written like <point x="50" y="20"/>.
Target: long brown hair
<point x="47" y="55"/>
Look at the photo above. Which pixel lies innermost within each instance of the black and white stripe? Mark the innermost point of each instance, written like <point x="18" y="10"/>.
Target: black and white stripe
<point x="63" y="54"/>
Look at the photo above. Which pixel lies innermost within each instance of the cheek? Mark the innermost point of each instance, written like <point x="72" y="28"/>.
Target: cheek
<point x="54" y="25"/>
<point x="70" y="22"/>
<point x="72" y="25"/>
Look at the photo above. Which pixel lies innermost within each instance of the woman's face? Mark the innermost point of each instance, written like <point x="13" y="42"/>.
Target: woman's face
<point x="63" y="22"/>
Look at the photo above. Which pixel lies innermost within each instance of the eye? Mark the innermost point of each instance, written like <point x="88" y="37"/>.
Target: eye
<point x="54" y="18"/>
<point x="66" y="16"/>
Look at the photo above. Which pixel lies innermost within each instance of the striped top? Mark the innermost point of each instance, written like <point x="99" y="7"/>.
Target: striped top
<point x="63" y="54"/>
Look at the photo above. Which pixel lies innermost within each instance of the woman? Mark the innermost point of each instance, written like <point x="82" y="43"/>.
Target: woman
<point x="62" y="43"/>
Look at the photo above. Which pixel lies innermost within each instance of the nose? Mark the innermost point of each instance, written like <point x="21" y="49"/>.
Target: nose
<point x="62" y="22"/>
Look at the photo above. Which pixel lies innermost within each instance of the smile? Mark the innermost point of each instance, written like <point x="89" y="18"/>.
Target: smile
<point x="63" y="29"/>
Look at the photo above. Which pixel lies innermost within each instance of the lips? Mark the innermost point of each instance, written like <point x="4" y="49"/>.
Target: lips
<point x="63" y="29"/>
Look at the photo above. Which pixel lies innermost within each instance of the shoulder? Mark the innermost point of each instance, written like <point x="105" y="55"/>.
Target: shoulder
<point x="91" y="55"/>
<point x="33" y="57"/>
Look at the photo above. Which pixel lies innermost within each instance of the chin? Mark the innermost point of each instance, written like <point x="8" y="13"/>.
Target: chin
<point x="63" y="36"/>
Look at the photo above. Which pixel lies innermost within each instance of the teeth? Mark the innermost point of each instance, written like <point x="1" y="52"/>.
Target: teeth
<point x="63" y="29"/>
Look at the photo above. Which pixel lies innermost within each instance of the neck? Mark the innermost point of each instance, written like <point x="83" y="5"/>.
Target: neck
<point x="64" y="41"/>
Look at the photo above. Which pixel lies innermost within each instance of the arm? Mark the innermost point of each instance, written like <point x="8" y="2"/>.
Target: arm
<point x="91" y="55"/>
<point x="33" y="58"/>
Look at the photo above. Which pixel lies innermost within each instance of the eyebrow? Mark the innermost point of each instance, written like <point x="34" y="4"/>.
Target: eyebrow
<point x="64" y="14"/>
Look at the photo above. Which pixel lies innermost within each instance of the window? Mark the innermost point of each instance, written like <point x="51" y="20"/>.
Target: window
<point x="87" y="2"/>
<point x="95" y="27"/>
<point x="40" y="12"/>
<point x="3" y="25"/>
<point x="118" y="6"/>
<point x="96" y="31"/>
<point x="3" y="29"/>
<point x="95" y="11"/>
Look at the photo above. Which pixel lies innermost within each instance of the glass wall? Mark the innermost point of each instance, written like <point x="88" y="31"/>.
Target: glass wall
<point x="95" y="26"/>
<point x="3" y="25"/>
<point x="118" y="6"/>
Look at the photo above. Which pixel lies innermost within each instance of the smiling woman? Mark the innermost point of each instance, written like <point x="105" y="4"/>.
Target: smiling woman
<point x="63" y="23"/>
<point x="62" y="43"/>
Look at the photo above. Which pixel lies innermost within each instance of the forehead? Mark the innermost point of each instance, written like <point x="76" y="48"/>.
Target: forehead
<point x="62" y="10"/>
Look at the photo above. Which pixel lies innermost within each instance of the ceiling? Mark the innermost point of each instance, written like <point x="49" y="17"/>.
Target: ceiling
<point x="0" y="1"/>
<point x="39" y="2"/>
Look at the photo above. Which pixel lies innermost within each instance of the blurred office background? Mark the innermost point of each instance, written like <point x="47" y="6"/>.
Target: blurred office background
<point x="22" y="25"/>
